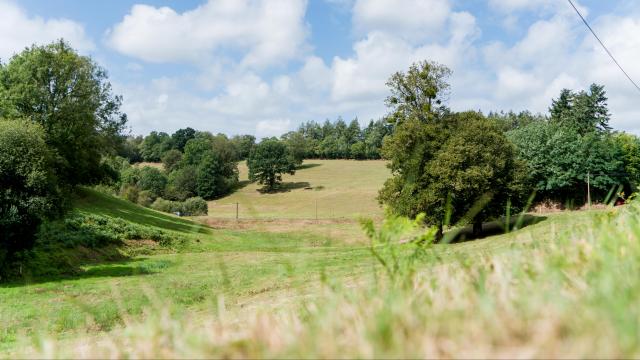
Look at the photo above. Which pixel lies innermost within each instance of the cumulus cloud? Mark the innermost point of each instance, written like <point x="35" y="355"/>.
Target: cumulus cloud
<point x="555" y="52"/>
<point x="545" y="6"/>
<point x="244" y="102"/>
<point x="559" y="52"/>
<point x="272" y="127"/>
<point x="18" y="30"/>
<point x="413" y="20"/>
<point x="265" y="32"/>
<point x="379" y="54"/>
<point x="246" y="95"/>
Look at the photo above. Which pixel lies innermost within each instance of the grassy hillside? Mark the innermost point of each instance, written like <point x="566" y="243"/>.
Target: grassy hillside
<point x="339" y="188"/>
<point x="93" y="202"/>
<point x="293" y="287"/>
<point x="248" y="269"/>
<point x="238" y="265"/>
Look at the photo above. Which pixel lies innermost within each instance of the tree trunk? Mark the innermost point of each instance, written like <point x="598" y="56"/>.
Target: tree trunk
<point x="477" y="229"/>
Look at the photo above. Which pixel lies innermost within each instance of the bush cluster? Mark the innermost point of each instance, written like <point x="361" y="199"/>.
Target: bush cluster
<point x="28" y="190"/>
<point x="195" y="165"/>
<point x="94" y="231"/>
<point x="312" y="140"/>
<point x="191" y="207"/>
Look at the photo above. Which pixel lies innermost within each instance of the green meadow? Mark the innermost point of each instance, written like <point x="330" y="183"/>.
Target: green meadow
<point x="242" y="270"/>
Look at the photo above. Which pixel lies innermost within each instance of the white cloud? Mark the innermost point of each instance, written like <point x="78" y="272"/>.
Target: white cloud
<point x="555" y="52"/>
<point x="315" y="74"/>
<point x="18" y="30"/>
<point x="348" y="86"/>
<point x="363" y="76"/>
<point x="265" y="32"/>
<point x="413" y="20"/>
<point x="558" y="53"/>
<point x="248" y="95"/>
<point x="134" y="67"/>
<point x="244" y="102"/>
<point x="273" y="127"/>
<point x="543" y="6"/>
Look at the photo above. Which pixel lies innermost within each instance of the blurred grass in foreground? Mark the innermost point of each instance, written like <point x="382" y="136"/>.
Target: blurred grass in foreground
<point x="574" y="295"/>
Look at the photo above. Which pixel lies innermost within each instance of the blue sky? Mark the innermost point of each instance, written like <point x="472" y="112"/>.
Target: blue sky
<point x="263" y="67"/>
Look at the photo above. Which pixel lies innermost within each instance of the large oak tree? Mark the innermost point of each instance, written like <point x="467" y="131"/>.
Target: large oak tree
<point x="70" y="96"/>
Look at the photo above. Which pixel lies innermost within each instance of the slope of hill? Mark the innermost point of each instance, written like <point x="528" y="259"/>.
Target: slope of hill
<point x="237" y="273"/>
<point x="335" y="188"/>
<point x="94" y="202"/>
<point x="193" y="273"/>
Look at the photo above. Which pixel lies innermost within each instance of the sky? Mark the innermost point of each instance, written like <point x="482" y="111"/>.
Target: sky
<point x="263" y="67"/>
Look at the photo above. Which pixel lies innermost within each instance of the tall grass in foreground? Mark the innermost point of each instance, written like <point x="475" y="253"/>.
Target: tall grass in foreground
<point x="576" y="295"/>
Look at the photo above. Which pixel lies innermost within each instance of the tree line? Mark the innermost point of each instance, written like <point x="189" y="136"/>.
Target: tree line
<point x="61" y="126"/>
<point x="312" y="140"/>
<point x="466" y="168"/>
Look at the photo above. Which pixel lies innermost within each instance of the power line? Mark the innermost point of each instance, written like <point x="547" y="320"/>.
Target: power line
<point x="603" y="46"/>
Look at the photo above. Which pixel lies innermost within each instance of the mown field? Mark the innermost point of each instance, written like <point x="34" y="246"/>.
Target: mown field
<point x="335" y="188"/>
<point x="304" y="288"/>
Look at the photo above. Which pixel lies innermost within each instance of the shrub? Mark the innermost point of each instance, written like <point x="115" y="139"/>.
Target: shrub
<point x="130" y="176"/>
<point x="106" y="189"/>
<point x="28" y="192"/>
<point x="145" y="198"/>
<point x="195" y="206"/>
<point x="171" y="160"/>
<point x="153" y="180"/>
<point x="130" y="192"/>
<point x="191" y="207"/>
<point x="163" y="205"/>
<point x="90" y="230"/>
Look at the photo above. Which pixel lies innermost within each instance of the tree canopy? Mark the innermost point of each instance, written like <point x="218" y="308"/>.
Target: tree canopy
<point x="71" y="98"/>
<point x="573" y="144"/>
<point x="28" y="190"/>
<point x="461" y="168"/>
<point x="586" y="111"/>
<point x="451" y="166"/>
<point x="268" y="162"/>
<point x="420" y="92"/>
<point x="215" y="176"/>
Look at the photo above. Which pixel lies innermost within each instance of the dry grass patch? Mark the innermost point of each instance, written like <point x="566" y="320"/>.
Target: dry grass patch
<point x="339" y="189"/>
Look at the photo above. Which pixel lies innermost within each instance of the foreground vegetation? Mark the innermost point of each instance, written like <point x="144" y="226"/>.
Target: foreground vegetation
<point x="543" y="291"/>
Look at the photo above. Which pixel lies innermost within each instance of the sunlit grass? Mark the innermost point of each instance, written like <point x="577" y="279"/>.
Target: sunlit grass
<point x="303" y="288"/>
<point x="572" y="294"/>
<point x="336" y="188"/>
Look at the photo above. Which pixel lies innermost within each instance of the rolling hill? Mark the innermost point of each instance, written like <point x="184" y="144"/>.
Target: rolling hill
<point x="336" y="188"/>
<point x="242" y="272"/>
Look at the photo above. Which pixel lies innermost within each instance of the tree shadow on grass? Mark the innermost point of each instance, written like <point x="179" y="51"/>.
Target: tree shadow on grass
<point x="286" y="187"/>
<point x="242" y="184"/>
<point x="122" y="268"/>
<point x="496" y="227"/>
<point x="308" y="166"/>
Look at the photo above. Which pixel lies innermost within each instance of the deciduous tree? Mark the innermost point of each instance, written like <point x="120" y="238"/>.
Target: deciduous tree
<point x="268" y="162"/>
<point x="71" y="98"/>
<point x="28" y="190"/>
<point x="420" y="92"/>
